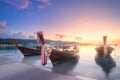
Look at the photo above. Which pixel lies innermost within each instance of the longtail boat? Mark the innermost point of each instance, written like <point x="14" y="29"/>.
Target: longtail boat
<point x="27" y="51"/>
<point x="57" y="56"/>
<point x="104" y="49"/>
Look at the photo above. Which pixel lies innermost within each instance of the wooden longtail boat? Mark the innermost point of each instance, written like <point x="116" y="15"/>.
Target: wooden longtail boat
<point x="27" y="51"/>
<point x="57" y="56"/>
<point x="104" y="50"/>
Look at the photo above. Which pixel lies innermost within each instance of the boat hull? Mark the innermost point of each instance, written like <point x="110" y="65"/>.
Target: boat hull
<point x="62" y="56"/>
<point x="28" y="51"/>
<point x="67" y="66"/>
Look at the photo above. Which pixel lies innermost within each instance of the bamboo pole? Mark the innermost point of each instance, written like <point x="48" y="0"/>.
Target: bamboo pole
<point x="43" y="51"/>
<point x="105" y="45"/>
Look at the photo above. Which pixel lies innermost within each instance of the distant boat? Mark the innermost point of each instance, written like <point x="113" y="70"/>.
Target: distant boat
<point x="27" y="51"/>
<point x="104" y="49"/>
<point x="57" y="56"/>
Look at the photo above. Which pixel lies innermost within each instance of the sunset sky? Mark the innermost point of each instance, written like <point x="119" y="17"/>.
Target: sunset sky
<point x="77" y="20"/>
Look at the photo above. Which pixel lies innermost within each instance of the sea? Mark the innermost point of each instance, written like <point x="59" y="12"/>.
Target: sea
<point x="89" y="65"/>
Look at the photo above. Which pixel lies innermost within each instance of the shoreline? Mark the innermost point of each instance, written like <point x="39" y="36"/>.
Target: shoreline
<point x="11" y="70"/>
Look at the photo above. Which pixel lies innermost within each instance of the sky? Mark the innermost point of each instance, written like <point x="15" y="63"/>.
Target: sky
<point x="70" y="20"/>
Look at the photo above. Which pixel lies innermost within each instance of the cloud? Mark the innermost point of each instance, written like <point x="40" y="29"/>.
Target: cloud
<point x="22" y="4"/>
<point x="3" y="28"/>
<point x="45" y="1"/>
<point x="5" y="33"/>
<point x="60" y="35"/>
<point x="2" y="23"/>
<point x="45" y="4"/>
<point x="19" y="35"/>
<point x="17" y="3"/>
<point x="31" y="37"/>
